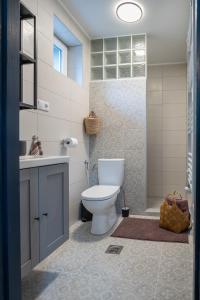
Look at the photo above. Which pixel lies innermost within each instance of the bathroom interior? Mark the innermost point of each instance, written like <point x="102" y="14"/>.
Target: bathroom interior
<point x="129" y="62"/>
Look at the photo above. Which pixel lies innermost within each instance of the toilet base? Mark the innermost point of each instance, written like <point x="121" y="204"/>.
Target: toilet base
<point x="102" y="223"/>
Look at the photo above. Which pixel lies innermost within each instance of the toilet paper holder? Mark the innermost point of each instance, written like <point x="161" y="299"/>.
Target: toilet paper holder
<point x="70" y="142"/>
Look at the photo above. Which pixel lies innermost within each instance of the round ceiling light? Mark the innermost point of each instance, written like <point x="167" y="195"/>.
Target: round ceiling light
<point x="129" y="12"/>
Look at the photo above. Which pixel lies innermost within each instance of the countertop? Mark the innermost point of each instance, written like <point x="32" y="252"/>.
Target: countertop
<point x="39" y="161"/>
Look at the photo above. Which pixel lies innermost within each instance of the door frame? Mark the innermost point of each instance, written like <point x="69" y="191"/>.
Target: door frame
<point x="10" y="275"/>
<point x="196" y="152"/>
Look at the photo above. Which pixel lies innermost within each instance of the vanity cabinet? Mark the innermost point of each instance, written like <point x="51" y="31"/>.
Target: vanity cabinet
<point x="29" y="225"/>
<point x="53" y="209"/>
<point x="44" y="212"/>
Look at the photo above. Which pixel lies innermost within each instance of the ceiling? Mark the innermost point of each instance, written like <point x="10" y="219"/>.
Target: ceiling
<point x="164" y="21"/>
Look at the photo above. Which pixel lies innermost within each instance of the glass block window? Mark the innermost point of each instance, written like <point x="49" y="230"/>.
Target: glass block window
<point x="118" y="57"/>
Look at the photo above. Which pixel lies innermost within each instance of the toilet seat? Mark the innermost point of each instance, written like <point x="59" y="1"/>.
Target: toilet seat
<point x="100" y="192"/>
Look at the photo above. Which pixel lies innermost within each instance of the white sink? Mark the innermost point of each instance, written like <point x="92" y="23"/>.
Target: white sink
<point x="30" y="161"/>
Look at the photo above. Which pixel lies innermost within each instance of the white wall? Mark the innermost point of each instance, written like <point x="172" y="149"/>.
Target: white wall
<point x="166" y="124"/>
<point x="69" y="102"/>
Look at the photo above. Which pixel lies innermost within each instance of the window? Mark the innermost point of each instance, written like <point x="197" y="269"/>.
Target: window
<point x="57" y="58"/>
<point x="68" y="52"/>
<point x="60" y="56"/>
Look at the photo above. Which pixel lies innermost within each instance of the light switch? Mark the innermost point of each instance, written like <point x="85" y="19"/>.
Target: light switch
<point x="42" y="105"/>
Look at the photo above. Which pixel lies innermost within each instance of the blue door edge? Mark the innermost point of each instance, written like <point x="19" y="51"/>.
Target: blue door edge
<point x="196" y="154"/>
<point x="10" y="276"/>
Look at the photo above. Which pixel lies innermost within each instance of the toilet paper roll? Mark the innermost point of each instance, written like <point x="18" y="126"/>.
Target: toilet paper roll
<point x="71" y="142"/>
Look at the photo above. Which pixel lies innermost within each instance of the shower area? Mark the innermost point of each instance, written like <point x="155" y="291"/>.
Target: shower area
<point x="166" y="132"/>
<point x="170" y="129"/>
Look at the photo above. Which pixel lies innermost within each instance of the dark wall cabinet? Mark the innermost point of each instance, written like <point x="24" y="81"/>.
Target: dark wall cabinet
<point x="44" y="212"/>
<point x="28" y="59"/>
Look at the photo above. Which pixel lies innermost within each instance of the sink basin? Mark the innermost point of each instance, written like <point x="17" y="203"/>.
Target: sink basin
<point x="29" y="161"/>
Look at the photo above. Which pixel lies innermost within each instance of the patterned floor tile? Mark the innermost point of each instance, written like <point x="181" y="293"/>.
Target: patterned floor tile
<point x="80" y="269"/>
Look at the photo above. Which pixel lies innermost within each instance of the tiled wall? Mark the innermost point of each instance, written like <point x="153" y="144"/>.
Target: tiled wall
<point x="69" y="102"/>
<point x="121" y="104"/>
<point x="166" y="129"/>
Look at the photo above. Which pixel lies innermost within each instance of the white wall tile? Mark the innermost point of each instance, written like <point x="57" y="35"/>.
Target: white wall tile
<point x="47" y="5"/>
<point x="174" y="83"/>
<point x="28" y="124"/>
<point x="50" y="128"/>
<point x="79" y="153"/>
<point x="171" y="137"/>
<point x="77" y="131"/>
<point x="45" y="49"/>
<point x="69" y="103"/>
<point x="178" y="151"/>
<point x="155" y="177"/>
<point x="77" y="112"/>
<point x="176" y="96"/>
<point x="45" y="76"/>
<point x="175" y="110"/>
<point x="174" y="164"/>
<point x="154" y="111"/>
<point x="178" y="70"/>
<point x="153" y="151"/>
<point x="154" y="97"/>
<point x="154" y="164"/>
<point x="174" y="124"/>
<point x="32" y="5"/>
<point x="154" y="84"/>
<point x="155" y="123"/>
<point x="45" y="23"/>
<point x="53" y="147"/>
<point x="60" y="107"/>
<point x="77" y="171"/>
<point x="166" y="149"/>
<point x="155" y="71"/>
<point x="155" y="190"/>
<point x="155" y="137"/>
<point x="174" y="177"/>
<point x="173" y="187"/>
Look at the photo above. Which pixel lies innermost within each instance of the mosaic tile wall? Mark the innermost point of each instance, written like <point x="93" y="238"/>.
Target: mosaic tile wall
<point x="122" y="108"/>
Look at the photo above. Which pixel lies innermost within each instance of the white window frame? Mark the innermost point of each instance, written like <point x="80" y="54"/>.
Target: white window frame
<point x="64" y="50"/>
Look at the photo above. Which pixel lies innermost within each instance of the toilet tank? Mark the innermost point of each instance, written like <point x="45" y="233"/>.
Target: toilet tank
<point x="111" y="171"/>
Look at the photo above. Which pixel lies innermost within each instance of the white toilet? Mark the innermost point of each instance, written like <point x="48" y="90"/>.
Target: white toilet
<point x="100" y="199"/>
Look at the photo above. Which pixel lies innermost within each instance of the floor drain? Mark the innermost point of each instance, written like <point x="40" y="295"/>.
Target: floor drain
<point x="114" y="249"/>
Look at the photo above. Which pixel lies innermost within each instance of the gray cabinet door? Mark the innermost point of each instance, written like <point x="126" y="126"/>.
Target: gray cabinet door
<point x="29" y="225"/>
<point x="53" y="206"/>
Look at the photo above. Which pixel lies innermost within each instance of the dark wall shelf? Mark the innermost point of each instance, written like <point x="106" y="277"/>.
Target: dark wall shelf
<point x="26" y="59"/>
<point x="25" y="106"/>
<point x="25" y="13"/>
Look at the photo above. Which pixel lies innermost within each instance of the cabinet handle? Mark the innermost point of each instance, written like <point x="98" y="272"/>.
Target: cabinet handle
<point x="45" y="214"/>
<point x="37" y="218"/>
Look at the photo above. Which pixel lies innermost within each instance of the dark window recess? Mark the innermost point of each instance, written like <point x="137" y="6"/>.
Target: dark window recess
<point x="28" y="60"/>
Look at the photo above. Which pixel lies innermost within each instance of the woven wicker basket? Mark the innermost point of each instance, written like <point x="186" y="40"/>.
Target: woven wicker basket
<point x="92" y="124"/>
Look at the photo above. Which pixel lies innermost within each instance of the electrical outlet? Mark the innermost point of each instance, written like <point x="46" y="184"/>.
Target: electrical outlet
<point x="42" y="105"/>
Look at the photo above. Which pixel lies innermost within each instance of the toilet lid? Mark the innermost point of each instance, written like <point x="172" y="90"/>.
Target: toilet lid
<point x="100" y="192"/>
